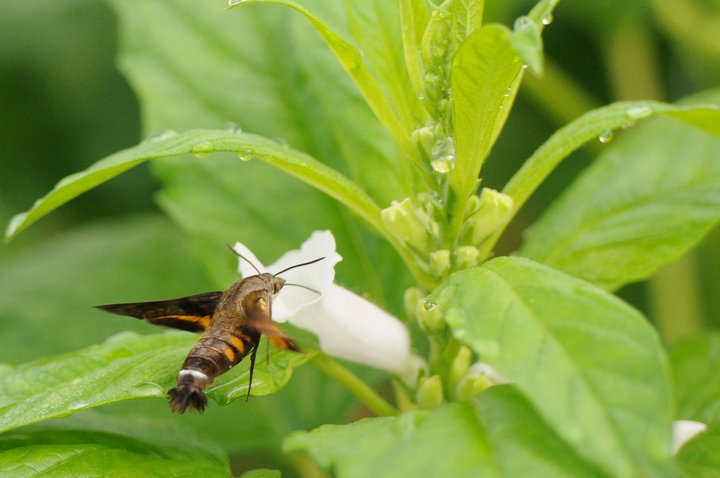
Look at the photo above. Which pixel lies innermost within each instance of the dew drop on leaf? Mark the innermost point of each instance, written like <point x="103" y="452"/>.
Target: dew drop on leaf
<point x="522" y="23"/>
<point x="161" y="134"/>
<point x="147" y="389"/>
<point x="640" y="111"/>
<point x="245" y="155"/>
<point x="606" y="136"/>
<point x="547" y="19"/>
<point x="77" y="405"/>
<point x="203" y="150"/>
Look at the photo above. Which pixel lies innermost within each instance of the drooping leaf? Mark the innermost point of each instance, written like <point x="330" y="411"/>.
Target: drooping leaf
<point x="589" y="363"/>
<point x="202" y="142"/>
<point x="127" y="366"/>
<point x="695" y="362"/>
<point x="500" y="435"/>
<point x="647" y="200"/>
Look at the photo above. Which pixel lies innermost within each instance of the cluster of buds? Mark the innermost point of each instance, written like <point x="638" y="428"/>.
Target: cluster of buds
<point x="417" y="225"/>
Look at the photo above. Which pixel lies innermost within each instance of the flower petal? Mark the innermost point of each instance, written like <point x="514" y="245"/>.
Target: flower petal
<point x="683" y="431"/>
<point x="318" y="276"/>
<point x="355" y="329"/>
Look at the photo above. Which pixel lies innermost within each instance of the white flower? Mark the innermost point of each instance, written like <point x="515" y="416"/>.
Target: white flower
<point x="347" y="326"/>
<point x="683" y="431"/>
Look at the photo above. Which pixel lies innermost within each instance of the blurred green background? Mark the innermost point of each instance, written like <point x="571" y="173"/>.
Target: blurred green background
<point x="64" y="105"/>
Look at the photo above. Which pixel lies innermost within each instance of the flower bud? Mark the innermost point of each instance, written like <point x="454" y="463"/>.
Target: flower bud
<point x="466" y="256"/>
<point x="493" y="211"/>
<point x="412" y="296"/>
<point x="430" y="317"/>
<point x="440" y="263"/>
<point x="401" y="221"/>
<point x="471" y="385"/>
<point x="430" y="392"/>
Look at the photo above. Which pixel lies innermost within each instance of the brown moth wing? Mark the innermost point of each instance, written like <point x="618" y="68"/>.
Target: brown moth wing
<point x="258" y="319"/>
<point x="192" y="313"/>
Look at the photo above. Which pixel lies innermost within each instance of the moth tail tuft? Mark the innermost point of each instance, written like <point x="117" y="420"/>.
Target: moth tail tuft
<point x="188" y="395"/>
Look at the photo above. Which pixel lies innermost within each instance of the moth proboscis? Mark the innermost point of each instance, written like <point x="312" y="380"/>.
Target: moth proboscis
<point x="232" y="323"/>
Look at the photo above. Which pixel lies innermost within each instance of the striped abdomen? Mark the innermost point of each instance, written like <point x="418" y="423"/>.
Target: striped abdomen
<point x="215" y="353"/>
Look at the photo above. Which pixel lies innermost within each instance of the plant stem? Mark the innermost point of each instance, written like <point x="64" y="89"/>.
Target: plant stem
<point x="360" y="389"/>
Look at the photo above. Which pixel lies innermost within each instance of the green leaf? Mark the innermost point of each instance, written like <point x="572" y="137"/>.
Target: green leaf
<point x="485" y="73"/>
<point x="352" y="61"/>
<point x="588" y="362"/>
<point x="467" y="17"/>
<point x="127" y="366"/>
<point x="264" y="473"/>
<point x="646" y="201"/>
<point x="499" y="435"/>
<point x="700" y="457"/>
<point x="202" y="143"/>
<point x="695" y="362"/>
<point x="414" y="17"/>
<point x="375" y="25"/>
<point x="153" y="442"/>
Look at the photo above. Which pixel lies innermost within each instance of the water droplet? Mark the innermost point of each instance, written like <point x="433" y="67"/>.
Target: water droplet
<point x="443" y="155"/>
<point x="147" y="389"/>
<point x="627" y="125"/>
<point x="76" y="381"/>
<point x="246" y="155"/>
<point x="638" y="111"/>
<point x="203" y="150"/>
<point x="547" y="19"/>
<point x="232" y="127"/>
<point x="438" y="49"/>
<point x="429" y="305"/>
<point x="77" y="405"/>
<point x="161" y="134"/>
<point x="606" y="136"/>
<point x="524" y="67"/>
<point x="522" y="23"/>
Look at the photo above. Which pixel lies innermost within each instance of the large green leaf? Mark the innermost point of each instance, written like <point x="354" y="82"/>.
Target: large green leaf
<point x="127" y="366"/>
<point x="588" y="362"/>
<point x="647" y="200"/>
<point x="499" y="435"/>
<point x="91" y="444"/>
<point x="695" y="363"/>
<point x="259" y="83"/>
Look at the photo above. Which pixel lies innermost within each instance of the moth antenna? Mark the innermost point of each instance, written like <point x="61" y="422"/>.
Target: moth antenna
<point x="304" y="287"/>
<point x="299" y="265"/>
<point x="244" y="258"/>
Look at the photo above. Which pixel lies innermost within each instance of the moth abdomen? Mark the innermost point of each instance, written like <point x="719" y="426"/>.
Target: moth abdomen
<point x="213" y="355"/>
<point x="189" y="392"/>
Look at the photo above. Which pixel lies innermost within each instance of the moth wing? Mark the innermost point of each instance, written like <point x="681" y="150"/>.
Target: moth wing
<point x="259" y="317"/>
<point x="192" y="313"/>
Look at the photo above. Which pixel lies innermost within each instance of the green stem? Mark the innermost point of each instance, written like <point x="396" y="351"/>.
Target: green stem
<point x="360" y="389"/>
